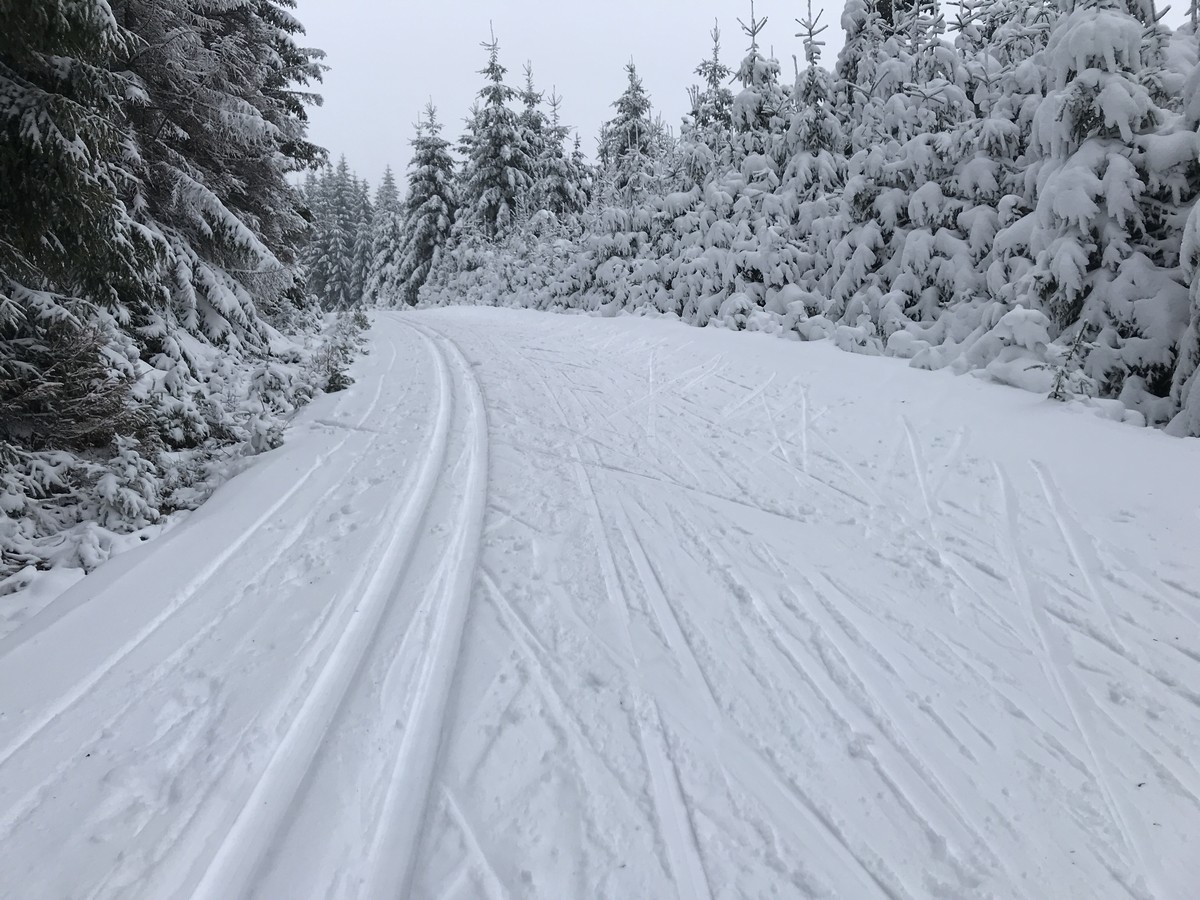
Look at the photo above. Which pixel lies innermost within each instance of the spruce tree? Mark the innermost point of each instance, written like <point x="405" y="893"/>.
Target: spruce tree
<point x="363" y="252"/>
<point x="387" y="241"/>
<point x="148" y="238"/>
<point x="536" y="136"/>
<point x="500" y="164"/>
<point x="816" y="168"/>
<point x="71" y="254"/>
<point x="1185" y="382"/>
<point x="429" y="208"/>
<point x="761" y="107"/>
<point x="1096" y="267"/>
<point x="331" y="251"/>
<point x="705" y="138"/>
<point x="630" y="143"/>
<point x="562" y="179"/>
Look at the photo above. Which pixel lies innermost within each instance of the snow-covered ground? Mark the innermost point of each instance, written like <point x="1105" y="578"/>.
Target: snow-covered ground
<point x="572" y="607"/>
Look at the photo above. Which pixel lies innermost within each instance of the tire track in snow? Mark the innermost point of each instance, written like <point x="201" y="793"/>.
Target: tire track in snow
<point x="68" y="699"/>
<point x="234" y="865"/>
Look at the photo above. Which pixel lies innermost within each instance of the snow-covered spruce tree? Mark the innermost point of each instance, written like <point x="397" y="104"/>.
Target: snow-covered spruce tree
<point x="70" y="256"/>
<point x="219" y="126"/>
<point x="706" y="136"/>
<point x="562" y="184"/>
<point x="362" y="254"/>
<point x="630" y="144"/>
<point x="387" y="241"/>
<point x="500" y="164"/>
<point x="145" y="151"/>
<point x="216" y="107"/>
<point x="534" y="125"/>
<point x="974" y="189"/>
<point x="1004" y="43"/>
<point x="429" y="210"/>
<point x="749" y="253"/>
<point x="873" y="71"/>
<point x="813" y="177"/>
<point x="617" y="266"/>
<point x="761" y="108"/>
<point x="1185" y="387"/>
<point x="895" y="261"/>
<point x="329" y="256"/>
<point x="1096" y="264"/>
<point x="938" y="265"/>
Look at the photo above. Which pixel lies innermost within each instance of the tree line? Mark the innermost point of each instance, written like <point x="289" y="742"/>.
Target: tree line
<point x="1010" y="190"/>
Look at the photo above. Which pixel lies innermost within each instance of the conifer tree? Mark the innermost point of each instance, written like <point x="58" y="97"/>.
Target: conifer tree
<point x="759" y="111"/>
<point x="630" y="143"/>
<point x="1185" y="382"/>
<point x="330" y="254"/>
<point x="387" y="240"/>
<point x="712" y="109"/>
<point x="71" y="255"/>
<point x="815" y="171"/>
<point x="148" y="238"/>
<point x="562" y="179"/>
<point x="1096" y="268"/>
<point x="429" y="209"/>
<point x="500" y="164"/>
<point x="362" y="254"/>
<point x="535" y="131"/>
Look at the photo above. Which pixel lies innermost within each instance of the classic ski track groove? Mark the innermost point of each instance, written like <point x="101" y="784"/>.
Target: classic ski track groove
<point x="81" y="688"/>
<point x="392" y="856"/>
<point x="234" y="866"/>
<point x="311" y="648"/>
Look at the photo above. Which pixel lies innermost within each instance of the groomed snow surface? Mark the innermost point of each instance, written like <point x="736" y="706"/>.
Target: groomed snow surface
<point x="568" y="607"/>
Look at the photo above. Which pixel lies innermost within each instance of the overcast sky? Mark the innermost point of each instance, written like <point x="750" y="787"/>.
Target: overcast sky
<point x="388" y="57"/>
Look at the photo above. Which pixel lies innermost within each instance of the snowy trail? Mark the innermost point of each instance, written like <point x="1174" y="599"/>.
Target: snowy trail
<point x="565" y="607"/>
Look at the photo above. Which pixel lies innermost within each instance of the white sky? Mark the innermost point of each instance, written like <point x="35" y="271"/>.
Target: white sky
<point x="388" y="57"/>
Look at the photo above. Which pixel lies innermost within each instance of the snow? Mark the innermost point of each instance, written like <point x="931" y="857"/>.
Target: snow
<point x="567" y="606"/>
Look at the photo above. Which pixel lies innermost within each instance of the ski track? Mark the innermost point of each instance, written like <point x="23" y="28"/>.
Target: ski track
<point x="81" y="688"/>
<point x="173" y="667"/>
<point x="683" y="852"/>
<point x="570" y="607"/>
<point x="1058" y="663"/>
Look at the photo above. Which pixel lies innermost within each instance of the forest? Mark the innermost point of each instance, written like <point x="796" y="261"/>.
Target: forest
<point x="1000" y="187"/>
<point x="1006" y="187"/>
<point x="155" y="323"/>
